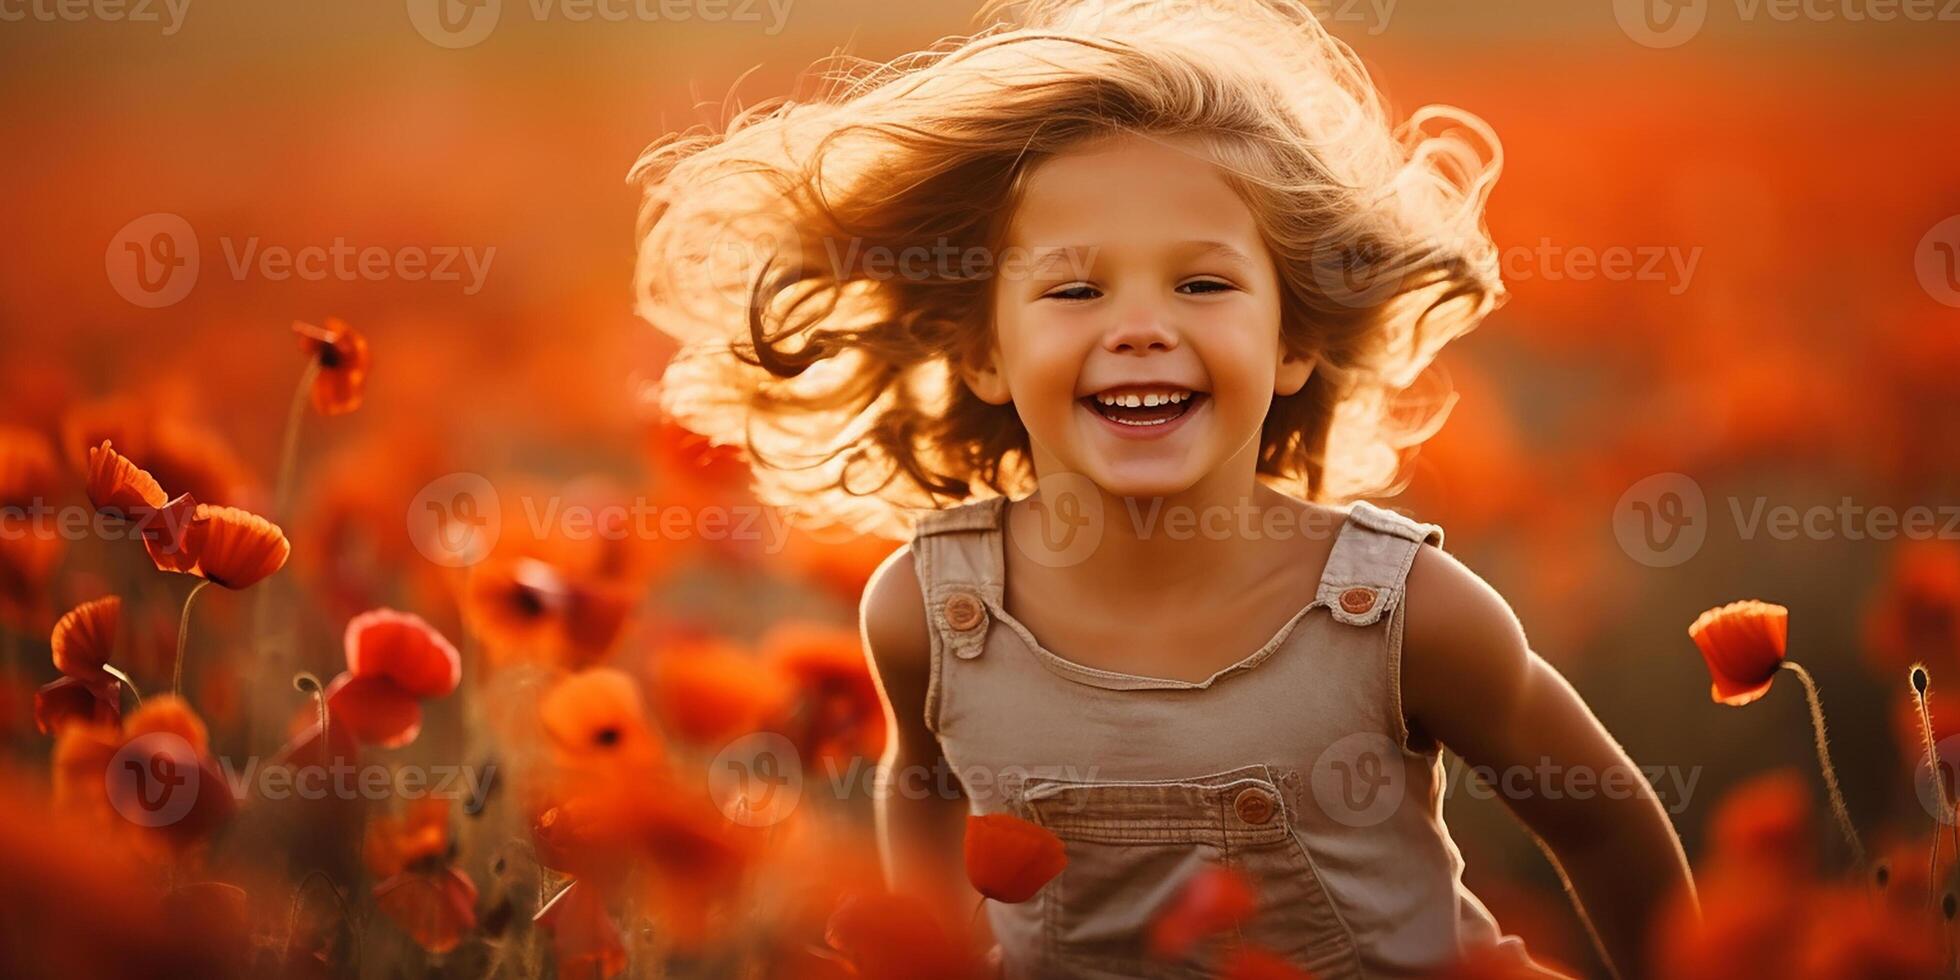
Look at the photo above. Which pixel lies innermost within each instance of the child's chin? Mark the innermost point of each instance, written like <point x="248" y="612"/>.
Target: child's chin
<point x="1145" y="481"/>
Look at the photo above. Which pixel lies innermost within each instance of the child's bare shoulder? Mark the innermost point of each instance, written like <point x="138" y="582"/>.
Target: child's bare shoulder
<point x="892" y="615"/>
<point x="1460" y="638"/>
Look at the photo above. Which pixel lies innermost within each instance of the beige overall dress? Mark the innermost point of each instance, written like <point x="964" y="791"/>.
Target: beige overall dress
<point x="1293" y="766"/>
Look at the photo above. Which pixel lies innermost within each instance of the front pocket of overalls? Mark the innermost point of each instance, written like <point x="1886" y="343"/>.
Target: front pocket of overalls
<point x="1133" y="845"/>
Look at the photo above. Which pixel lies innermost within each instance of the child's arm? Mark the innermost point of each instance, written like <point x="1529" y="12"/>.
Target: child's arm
<point x="920" y="809"/>
<point x="1470" y="681"/>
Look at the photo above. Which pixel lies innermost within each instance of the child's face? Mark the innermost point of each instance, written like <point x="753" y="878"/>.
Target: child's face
<point x="1165" y="299"/>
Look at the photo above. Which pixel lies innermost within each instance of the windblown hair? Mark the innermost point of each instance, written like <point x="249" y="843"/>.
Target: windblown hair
<point x="837" y="376"/>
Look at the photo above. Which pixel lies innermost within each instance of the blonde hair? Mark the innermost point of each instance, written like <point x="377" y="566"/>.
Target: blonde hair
<point x="837" y="380"/>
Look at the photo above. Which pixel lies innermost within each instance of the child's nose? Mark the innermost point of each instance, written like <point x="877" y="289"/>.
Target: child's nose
<point x="1140" y="332"/>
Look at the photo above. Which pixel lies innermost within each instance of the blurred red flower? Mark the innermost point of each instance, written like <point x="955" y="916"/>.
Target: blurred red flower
<point x="1009" y="859"/>
<point x="342" y="355"/>
<point x="83" y="640"/>
<point x="1214" y="900"/>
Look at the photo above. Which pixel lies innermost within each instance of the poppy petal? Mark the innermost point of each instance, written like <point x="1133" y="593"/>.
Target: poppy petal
<point x="583" y="936"/>
<point x="435" y="909"/>
<point x="118" y="487"/>
<point x="342" y="355"/>
<point x="373" y="710"/>
<point x="403" y="648"/>
<point x="85" y="636"/>
<point x="235" y="548"/>
<point x="1009" y="859"/>
<point x="1744" y="643"/>
<point x="70" y="700"/>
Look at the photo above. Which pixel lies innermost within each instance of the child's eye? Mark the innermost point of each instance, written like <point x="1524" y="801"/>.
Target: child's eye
<point x="1210" y="285"/>
<point x="1078" y="292"/>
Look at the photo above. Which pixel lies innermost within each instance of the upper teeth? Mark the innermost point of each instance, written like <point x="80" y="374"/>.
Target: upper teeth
<point x="1143" y="401"/>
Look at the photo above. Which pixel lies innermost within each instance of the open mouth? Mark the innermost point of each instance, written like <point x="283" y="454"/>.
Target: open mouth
<point x="1143" y="407"/>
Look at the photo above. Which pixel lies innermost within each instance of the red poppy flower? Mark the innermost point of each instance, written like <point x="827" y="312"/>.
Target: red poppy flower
<point x="710" y="691"/>
<point x="1764" y="823"/>
<point x="432" y="901"/>
<point x="69" y="700"/>
<point x="170" y="714"/>
<point x="896" y="937"/>
<point x="404" y="649"/>
<point x="596" y="718"/>
<point x="373" y="710"/>
<point x="82" y="641"/>
<point x="231" y="547"/>
<point x="118" y="487"/>
<point x="28" y="471"/>
<point x="85" y="778"/>
<point x="842" y="714"/>
<point x="84" y="638"/>
<point x="1916" y="614"/>
<point x="342" y="355"/>
<point x="418" y="835"/>
<point x="1215" y="900"/>
<point x="1744" y="644"/>
<point x="1009" y="859"/>
<point x="584" y="939"/>
<point x="436" y="908"/>
<point x="533" y="610"/>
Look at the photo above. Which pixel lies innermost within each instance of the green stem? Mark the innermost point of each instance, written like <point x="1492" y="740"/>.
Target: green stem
<point x="116" y="673"/>
<point x="1838" y="808"/>
<point x="183" y="636"/>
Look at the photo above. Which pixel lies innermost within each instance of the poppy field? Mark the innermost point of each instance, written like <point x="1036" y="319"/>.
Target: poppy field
<point x="361" y="615"/>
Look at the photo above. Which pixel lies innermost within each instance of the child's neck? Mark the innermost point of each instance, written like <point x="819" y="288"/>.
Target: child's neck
<point x="1183" y="544"/>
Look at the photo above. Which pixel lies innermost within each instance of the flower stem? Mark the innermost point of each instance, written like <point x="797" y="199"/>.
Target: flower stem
<point x="1941" y="813"/>
<point x="307" y="683"/>
<point x="183" y="636"/>
<point x="127" y="682"/>
<point x="1824" y="763"/>
<point x="282" y="491"/>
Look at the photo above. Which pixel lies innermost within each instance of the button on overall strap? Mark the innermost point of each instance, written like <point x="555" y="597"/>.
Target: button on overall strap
<point x="957" y="553"/>
<point x="1368" y="568"/>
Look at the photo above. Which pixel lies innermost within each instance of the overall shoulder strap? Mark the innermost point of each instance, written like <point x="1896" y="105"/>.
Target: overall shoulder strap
<point x="1368" y="567"/>
<point x="957" y="553"/>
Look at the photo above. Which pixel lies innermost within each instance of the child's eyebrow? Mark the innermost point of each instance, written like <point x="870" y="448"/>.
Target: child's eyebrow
<point x="1206" y="248"/>
<point x="1078" y="256"/>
